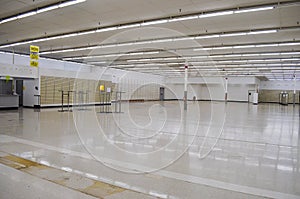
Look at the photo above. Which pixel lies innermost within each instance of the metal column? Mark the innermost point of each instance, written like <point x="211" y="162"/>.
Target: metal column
<point x="185" y="85"/>
<point x="294" y="93"/>
<point x="226" y="89"/>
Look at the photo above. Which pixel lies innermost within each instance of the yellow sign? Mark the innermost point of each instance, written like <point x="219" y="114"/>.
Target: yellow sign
<point x="102" y="88"/>
<point x="34" y="63"/>
<point x="34" y="49"/>
<point x="34" y="56"/>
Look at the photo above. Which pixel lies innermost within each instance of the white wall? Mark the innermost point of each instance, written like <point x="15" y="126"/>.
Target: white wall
<point x="213" y="80"/>
<point x="175" y="91"/>
<point x="236" y="92"/>
<point x="212" y="92"/>
<point x="239" y="92"/>
<point x="211" y="88"/>
<point x="279" y="85"/>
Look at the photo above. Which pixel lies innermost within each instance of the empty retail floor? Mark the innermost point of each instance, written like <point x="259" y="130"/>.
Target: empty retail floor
<point x="212" y="150"/>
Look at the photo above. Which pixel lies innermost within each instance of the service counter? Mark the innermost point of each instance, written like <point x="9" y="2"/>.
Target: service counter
<point x="9" y="101"/>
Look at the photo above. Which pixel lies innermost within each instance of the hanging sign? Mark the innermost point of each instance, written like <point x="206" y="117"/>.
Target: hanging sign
<point x="34" y="56"/>
<point x="34" y="49"/>
<point x="34" y="63"/>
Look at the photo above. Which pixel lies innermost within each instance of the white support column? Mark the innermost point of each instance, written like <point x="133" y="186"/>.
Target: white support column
<point x="14" y="85"/>
<point x="294" y="93"/>
<point x="226" y="89"/>
<point x="185" y="85"/>
<point x="255" y="95"/>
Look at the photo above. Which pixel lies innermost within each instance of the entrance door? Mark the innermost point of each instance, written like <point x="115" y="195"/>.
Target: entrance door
<point x="19" y="90"/>
<point x="161" y="93"/>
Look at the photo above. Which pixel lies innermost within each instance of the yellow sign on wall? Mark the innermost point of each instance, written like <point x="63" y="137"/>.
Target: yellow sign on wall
<point x="102" y="88"/>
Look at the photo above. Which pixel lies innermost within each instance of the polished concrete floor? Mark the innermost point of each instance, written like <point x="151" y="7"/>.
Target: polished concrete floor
<point x="157" y="150"/>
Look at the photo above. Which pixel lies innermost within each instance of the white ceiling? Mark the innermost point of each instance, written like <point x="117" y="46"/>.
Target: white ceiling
<point x="97" y="14"/>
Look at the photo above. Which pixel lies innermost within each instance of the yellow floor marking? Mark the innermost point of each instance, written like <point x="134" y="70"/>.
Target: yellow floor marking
<point x="11" y="164"/>
<point x="102" y="189"/>
<point x="22" y="161"/>
<point x="97" y="189"/>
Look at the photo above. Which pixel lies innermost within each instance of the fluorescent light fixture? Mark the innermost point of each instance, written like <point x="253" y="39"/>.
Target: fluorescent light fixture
<point x="41" y="10"/>
<point x="183" y="38"/>
<point x="129" y="26"/>
<point x="222" y="47"/>
<point x="230" y="55"/>
<point x="266" y="45"/>
<point x="109" y="46"/>
<point x="262" y="32"/>
<point x="183" y="18"/>
<point x="26" y="15"/>
<point x="8" y="19"/>
<point x="69" y="35"/>
<point x="107" y="55"/>
<point x="141" y="42"/>
<point x="137" y="53"/>
<point x="142" y="68"/>
<point x="86" y="33"/>
<point x="106" y="29"/>
<point x="214" y="14"/>
<point x="252" y="54"/>
<point x="151" y="53"/>
<point x="244" y="46"/>
<point x="271" y="54"/>
<point x="154" y="22"/>
<point x="207" y="36"/>
<point x="247" y="46"/>
<point x="46" y="9"/>
<point x="289" y="44"/>
<point x="254" y="9"/>
<point x="69" y="3"/>
<point x="97" y="62"/>
<point x="175" y="63"/>
<point x="290" y="53"/>
<point x="161" y="40"/>
<point x="172" y="58"/>
<point x="233" y="34"/>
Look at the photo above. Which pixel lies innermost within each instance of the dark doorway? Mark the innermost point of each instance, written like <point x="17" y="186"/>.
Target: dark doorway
<point x="19" y="91"/>
<point x="161" y="93"/>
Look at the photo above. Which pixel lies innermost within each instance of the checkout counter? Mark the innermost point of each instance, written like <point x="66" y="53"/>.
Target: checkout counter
<point x="8" y="96"/>
<point x="9" y="101"/>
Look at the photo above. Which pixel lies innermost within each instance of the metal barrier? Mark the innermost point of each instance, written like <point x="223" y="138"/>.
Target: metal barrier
<point x="65" y="93"/>
<point x="82" y="99"/>
<point x="106" y="102"/>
